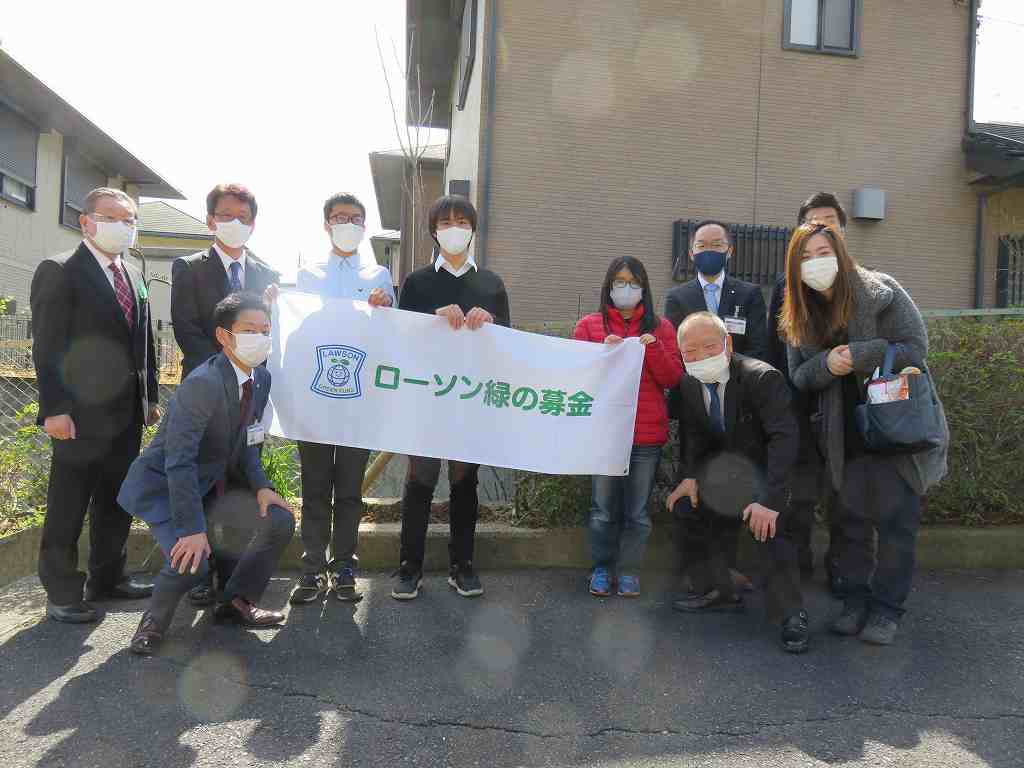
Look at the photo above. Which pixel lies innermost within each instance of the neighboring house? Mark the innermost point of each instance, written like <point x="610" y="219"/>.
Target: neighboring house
<point x="996" y="152"/>
<point x="387" y="249"/>
<point x="394" y="182"/>
<point x="584" y="130"/>
<point x="50" y="157"/>
<point x="165" y="233"/>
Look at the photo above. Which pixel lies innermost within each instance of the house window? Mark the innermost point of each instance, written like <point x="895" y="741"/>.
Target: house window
<point x="80" y="178"/>
<point x="467" y="51"/>
<point x="19" y="140"/>
<point x="823" y="26"/>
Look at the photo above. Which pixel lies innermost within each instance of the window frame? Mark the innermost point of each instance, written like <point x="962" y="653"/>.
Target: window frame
<point x="467" y="61"/>
<point x="855" y="51"/>
<point x="64" y="202"/>
<point x="29" y="204"/>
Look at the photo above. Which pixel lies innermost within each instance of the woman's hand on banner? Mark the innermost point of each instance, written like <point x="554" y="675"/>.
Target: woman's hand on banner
<point x="454" y="315"/>
<point x="647" y="338"/>
<point x="612" y="339"/>
<point x="477" y="318"/>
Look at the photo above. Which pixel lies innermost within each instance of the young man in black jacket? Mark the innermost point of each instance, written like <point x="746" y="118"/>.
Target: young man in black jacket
<point x="452" y="287"/>
<point x="739" y="444"/>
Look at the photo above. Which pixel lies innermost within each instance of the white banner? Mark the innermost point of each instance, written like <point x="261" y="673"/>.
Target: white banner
<point x="386" y="379"/>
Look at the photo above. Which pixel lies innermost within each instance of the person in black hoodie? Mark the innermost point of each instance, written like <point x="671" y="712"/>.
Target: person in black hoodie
<point x="455" y="288"/>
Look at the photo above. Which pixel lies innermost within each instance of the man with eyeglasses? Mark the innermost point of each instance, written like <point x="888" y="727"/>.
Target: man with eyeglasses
<point x="96" y="370"/>
<point x="332" y="475"/>
<point x="200" y="281"/>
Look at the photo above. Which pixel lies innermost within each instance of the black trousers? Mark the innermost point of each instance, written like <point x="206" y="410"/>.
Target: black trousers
<point x="462" y="515"/>
<point x="85" y="476"/>
<point x="876" y="498"/>
<point x="706" y="542"/>
<point x="332" y="504"/>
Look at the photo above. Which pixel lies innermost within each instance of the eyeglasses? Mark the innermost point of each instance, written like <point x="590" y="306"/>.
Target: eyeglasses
<point x="224" y="218"/>
<point x="131" y="221"/>
<point x="341" y="218"/>
<point x="621" y="284"/>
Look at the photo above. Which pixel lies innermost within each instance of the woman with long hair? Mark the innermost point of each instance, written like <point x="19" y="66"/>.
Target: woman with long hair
<point x="620" y="521"/>
<point x="839" y="320"/>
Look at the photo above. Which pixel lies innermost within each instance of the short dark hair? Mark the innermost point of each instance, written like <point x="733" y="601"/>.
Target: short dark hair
<point x="342" y="198"/>
<point x="231" y="306"/>
<point x="235" y="190"/>
<point x="821" y="200"/>
<point x="448" y="205"/>
<point x="708" y="223"/>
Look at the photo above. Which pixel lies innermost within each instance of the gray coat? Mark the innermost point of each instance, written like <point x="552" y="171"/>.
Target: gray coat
<point x="883" y="312"/>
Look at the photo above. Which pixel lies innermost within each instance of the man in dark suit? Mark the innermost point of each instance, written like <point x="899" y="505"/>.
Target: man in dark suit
<point x="739" y="445"/>
<point x="203" y="471"/>
<point x="809" y="487"/>
<point x="96" y="368"/>
<point x="201" y="280"/>
<point x="738" y="303"/>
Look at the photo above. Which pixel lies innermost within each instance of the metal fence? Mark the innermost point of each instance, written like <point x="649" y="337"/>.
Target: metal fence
<point x="759" y="254"/>
<point x="1010" y="271"/>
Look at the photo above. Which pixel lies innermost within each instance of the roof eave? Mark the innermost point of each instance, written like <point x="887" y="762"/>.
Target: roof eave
<point x="432" y="40"/>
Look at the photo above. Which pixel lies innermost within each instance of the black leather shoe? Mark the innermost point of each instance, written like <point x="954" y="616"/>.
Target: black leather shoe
<point x="148" y="636"/>
<point x="202" y="595"/>
<point x="713" y="602"/>
<point x="73" y="613"/>
<point x="247" y="614"/>
<point x="796" y="633"/>
<point x="126" y="589"/>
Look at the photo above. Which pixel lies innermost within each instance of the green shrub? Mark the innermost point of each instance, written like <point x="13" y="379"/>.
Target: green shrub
<point x="550" y="501"/>
<point x="24" y="474"/>
<point x="281" y="464"/>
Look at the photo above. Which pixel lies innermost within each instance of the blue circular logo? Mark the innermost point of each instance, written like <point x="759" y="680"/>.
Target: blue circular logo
<point x="338" y="375"/>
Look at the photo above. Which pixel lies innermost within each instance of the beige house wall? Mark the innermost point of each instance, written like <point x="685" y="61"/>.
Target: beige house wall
<point x="612" y="121"/>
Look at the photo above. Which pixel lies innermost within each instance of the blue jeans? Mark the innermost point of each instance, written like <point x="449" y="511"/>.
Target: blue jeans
<point x="620" y="521"/>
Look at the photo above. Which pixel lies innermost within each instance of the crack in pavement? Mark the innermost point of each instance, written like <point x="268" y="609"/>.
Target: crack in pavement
<point x="730" y="730"/>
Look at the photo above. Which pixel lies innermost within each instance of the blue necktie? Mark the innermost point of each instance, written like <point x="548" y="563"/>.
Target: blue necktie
<point x="711" y="298"/>
<point x="715" y="412"/>
<point x="235" y="279"/>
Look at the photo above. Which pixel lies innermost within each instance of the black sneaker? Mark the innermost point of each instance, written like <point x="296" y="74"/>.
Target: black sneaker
<point x="408" y="585"/>
<point x="463" y="579"/>
<point x="850" y="622"/>
<point x="796" y="633"/>
<point x="713" y="602"/>
<point x="343" y="583"/>
<point x="308" y="589"/>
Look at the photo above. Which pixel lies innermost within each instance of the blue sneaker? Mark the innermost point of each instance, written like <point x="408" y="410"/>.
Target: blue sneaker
<point x="629" y="586"/>
<point x="600" y="582"/>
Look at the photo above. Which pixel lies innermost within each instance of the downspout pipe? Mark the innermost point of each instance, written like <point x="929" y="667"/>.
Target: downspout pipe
<point x="982" y="207"/>
<point x="488" y="137"/>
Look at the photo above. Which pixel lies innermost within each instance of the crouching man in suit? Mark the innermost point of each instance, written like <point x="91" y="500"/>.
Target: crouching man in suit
<point x="202" y="472"/>
<point x="739" y="445"/>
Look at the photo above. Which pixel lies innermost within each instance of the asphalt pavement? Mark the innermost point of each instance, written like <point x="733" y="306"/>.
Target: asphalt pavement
<point x="535" y="673"/>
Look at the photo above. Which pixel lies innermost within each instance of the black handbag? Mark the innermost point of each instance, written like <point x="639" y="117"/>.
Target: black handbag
<point x="906" y="426"/>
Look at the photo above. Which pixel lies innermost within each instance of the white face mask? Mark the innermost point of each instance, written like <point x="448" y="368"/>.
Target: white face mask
<point x="114" y="236"/>
<point x="252" y="348"/>
<point x="710" y="370"/>
<point x="347" y="237"/>
<point x="454" y="240"/>
<point x="234" y="234"/>
<point x="626" y="297"/>
<point x="820" y="274"/>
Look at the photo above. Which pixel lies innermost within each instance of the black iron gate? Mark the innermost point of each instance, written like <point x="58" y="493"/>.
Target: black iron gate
<point x="1010" y="272"/>
<point x="759" y="251"/>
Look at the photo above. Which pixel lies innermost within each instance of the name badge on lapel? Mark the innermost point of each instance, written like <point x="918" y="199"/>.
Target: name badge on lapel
<point x="255" y="435"/>
<point x="735" y="324"/>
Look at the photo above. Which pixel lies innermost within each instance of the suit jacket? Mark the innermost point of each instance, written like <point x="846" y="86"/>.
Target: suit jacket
<point x="90" y="363"/>
<point x="200" y="442"/>
<point x="688" y="298"/>
<point x="752" y="461"/>
<point x="198" y="283"/>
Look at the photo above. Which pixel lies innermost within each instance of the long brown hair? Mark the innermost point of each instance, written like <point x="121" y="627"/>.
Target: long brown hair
<point x="807" y="317"/>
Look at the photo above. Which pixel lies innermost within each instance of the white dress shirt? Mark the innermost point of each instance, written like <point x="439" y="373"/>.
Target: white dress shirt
<point x="353" y="277"/>
<point x="242" y="377"/>
<point x="718" y="281"/>
<point x="105" y="261"/>
<point x="227" y="261"/>
<point x="442" y="263"/>
<point x="721" y="394"/>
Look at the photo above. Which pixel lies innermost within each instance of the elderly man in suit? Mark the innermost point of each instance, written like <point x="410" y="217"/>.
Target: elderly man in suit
<point x="96" y="369"/>
<point x="739" y="445"/>
<point x="201" y="280"/>
<point x="203" y="470"/>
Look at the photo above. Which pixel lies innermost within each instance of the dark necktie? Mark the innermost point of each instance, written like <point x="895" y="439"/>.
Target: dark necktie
<point x="220" y="487"/>
<point x="235" y="279"/>
<point x="715" y="411"/>
<point x="123" y="293"/>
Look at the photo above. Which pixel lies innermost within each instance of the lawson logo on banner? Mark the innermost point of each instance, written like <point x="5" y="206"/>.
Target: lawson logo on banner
<point x="337" y="373"/>
<point x="345" y="373"/>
